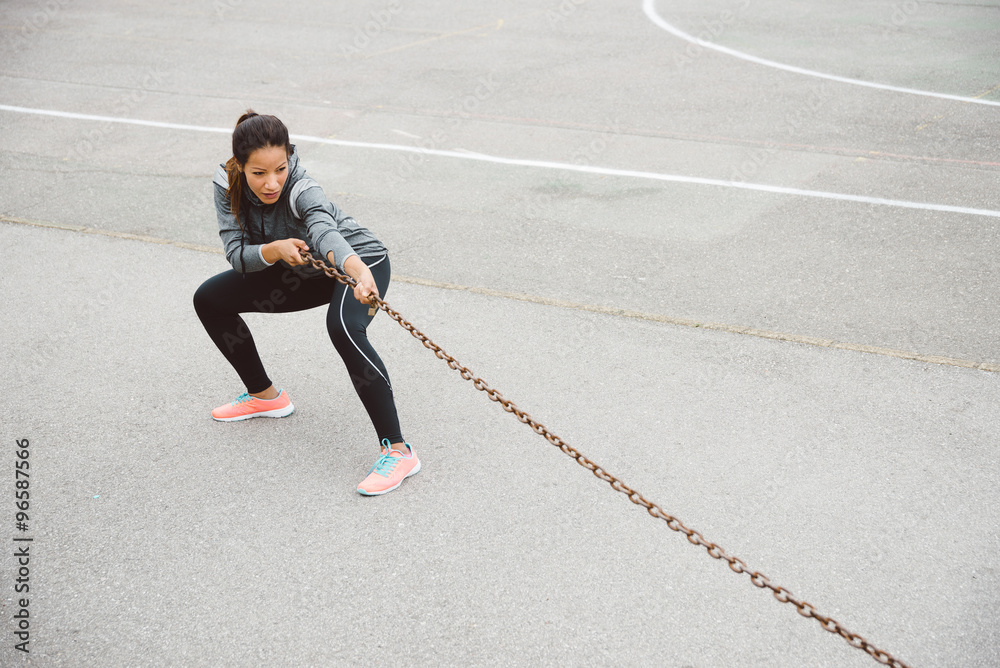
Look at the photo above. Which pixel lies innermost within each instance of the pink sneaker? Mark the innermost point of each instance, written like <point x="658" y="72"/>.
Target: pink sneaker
<point x="390" y="470"/>
<point x="245" y="407"/>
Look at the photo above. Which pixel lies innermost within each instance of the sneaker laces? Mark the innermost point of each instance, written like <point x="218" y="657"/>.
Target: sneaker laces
<point x="385" y="465"/>
<point x="242" y="399"/>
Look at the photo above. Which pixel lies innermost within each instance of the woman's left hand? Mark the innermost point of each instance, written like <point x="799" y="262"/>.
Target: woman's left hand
<point x="365" y="287"/>
<point x="360" y="272"/>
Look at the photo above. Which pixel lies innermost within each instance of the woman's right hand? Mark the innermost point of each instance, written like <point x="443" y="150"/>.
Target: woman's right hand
<point x="285" y="249"/>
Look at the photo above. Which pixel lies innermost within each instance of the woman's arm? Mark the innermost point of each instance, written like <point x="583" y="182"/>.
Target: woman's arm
<point x="320" y="217"/>
<point x="355" y="267"/>
<point x="284" y="249"/>
<point x="242" y="256"/>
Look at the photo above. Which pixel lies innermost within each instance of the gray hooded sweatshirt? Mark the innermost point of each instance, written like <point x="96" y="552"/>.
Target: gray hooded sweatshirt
<point x="301" y="212"/>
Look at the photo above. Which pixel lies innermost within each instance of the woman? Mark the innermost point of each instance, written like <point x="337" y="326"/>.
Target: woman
<point x="269" y="210"/>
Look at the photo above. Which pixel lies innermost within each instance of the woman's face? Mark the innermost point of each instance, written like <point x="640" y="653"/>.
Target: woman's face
<point x="266" y="171"/>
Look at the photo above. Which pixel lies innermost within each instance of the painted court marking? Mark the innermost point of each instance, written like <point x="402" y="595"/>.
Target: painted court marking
<point x="560" y="303"/>
<point x="539" y="164"/>
<point x="649" y="7"/>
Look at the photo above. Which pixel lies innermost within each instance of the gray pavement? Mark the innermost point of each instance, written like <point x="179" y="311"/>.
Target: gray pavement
<point x="864" y="483"/>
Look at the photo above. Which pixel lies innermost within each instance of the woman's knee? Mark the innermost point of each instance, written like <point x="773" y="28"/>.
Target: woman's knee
<point x="344" y="337"/>
<point x="203" y="299"/>
<point x="212" y="297"/>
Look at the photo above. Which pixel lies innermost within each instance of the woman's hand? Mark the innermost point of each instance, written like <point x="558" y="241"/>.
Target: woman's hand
<point x="285" y="249"/>
<point x="360" y="272"/>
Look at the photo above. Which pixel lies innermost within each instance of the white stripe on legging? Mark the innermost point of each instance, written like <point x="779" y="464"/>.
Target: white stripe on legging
<point x="344" y="325"/>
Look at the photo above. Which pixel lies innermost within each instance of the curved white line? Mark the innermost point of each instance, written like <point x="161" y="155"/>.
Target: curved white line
<point x="541" y="164"/>
<point x="347" y="333"/>
<point x="649" y="7"/>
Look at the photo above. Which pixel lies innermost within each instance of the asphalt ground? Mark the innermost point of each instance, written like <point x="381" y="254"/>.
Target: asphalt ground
<point x="597" y="226"/>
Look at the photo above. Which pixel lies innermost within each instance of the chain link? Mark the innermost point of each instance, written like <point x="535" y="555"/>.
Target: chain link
<point x="736" y="564"/>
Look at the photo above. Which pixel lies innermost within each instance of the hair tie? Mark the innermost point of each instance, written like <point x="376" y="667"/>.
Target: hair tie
<point x="250" y="113"/>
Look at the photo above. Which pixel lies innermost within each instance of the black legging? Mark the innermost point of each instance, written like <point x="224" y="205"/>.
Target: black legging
<point x="279" y="289"/>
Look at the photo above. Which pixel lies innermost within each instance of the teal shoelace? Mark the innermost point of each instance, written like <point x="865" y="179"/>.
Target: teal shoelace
<point x="386" y="465"/>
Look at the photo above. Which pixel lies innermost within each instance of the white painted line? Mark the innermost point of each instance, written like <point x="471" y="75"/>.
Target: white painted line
<point x="649" y="7"/>
<point x="542" y="164"/>
<point x="112" y="119"/>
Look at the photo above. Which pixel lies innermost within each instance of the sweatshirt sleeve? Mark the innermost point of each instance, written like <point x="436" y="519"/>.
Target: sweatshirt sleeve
<point x="243" y="257"/>
<point x="321" y="218"/>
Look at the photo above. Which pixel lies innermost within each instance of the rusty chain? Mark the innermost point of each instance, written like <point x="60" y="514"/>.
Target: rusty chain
<point x="736" y="564"/>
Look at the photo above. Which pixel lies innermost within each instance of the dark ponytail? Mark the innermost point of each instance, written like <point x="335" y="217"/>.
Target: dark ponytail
<point x="252" y="132"/>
